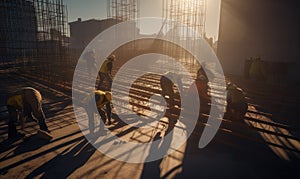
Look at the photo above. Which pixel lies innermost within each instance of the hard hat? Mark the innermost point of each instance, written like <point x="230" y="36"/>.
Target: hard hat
<point x="108" y="96"/>
<point x="231" y="86"/>
<point x="202" y="78"/>
<point x="112" y="57"/>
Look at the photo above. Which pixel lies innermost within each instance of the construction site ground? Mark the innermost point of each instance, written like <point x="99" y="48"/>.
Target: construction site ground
<point x="265" y="145"/>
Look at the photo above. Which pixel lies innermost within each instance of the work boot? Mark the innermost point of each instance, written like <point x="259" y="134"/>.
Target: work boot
<point x="46" y="130"/>
<point x="44" y="127"/>
<point x="44" y="135"/>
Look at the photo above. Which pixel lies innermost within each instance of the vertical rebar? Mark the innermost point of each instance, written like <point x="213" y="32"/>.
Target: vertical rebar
<point x="184" y="14"/>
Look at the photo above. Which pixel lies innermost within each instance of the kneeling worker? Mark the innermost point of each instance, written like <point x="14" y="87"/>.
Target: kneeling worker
<point x="236" y="102"/>
<point x="22" y="104"/>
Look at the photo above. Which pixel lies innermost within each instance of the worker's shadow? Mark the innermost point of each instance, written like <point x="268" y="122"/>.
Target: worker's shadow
<point x="152" y="169"/>
<point x="203" y="115"/>
<point x="65" y="163"/>
<point x="54" y="108"/>
<point x="30" y="143"/>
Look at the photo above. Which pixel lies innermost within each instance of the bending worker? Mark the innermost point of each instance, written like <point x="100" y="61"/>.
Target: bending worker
<point x="22" y="104"/>
<point x="103" y="100"/>
<point x="167" y="82"/>
<point x="203" y="88"/>
<point x="105" y="71"/>
<point x="236" y="102"/>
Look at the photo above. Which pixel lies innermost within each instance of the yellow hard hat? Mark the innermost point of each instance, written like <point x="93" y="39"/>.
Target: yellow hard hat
<point x="231" y="86"/>
<point x="112" y="57"/>
<point x="108" y="96"/>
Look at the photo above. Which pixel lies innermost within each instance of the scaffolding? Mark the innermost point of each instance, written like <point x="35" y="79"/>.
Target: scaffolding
<point x="123" y="10"/>
<point x="34" y="37"/>
<point x="185" y="20"/>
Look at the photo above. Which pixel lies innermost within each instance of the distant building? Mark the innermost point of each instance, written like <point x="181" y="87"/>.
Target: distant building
<point x="83" y="32"/>
<point x="269" y="29"/>
<point x="18" y="28"/>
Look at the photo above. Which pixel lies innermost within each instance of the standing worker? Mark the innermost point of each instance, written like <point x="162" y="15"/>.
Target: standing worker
<point x="90" y="61"/>
<point x="22" y="104"/>
<point x="256" y="71"/>
<point x="167" y="82"/>
<point x="236" y="102"/>
<point x="103" y="100"/>
<point x="105" y="71"/>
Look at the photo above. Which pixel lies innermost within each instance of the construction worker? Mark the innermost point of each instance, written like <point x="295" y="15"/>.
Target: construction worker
<point x="23" y="103"/>
<point x="105" y="71"/>
<point x="204" y="70"/>
<point x="90" y="61"/>
<point x="236" y="102"/>
<point x="166" y="83"/>
<point x="201" y="83"/>
<point x="201" y="91"/>
<point x="256" y="71"/>
<point x="103" y="100"/>
<point x="200" y="72"/>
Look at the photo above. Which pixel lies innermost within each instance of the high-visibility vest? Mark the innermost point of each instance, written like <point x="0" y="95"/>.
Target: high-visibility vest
<point x="104" y="68"/>
<point x="99" y="102"/>
<point x="16" y="101"/>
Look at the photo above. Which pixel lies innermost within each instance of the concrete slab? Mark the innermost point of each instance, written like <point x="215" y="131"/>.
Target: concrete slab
<point x="239" y="149"/>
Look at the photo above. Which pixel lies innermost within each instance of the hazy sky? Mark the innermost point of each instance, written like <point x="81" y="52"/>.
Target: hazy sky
<point x="96" y="9"/>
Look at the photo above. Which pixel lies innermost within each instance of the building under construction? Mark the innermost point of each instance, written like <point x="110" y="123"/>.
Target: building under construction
<point x="34" y="36"/>
<point x="185" y="14"/>
<point x="178" y="15"/>
<point x="264" y="142"/>
<point x="123" y="10"/>
<point x="185" y="20"/>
